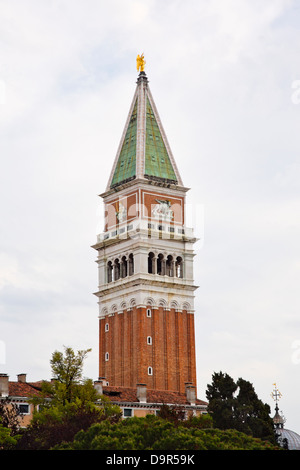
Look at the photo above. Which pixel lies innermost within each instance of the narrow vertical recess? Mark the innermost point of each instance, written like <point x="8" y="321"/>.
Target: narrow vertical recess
<point x="165" y="350"/>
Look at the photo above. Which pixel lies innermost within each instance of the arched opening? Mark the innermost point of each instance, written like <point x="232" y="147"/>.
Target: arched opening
<point x="124" y="267"/>
<point x="170" y="266"/>
<point x="179" y="267"/>
<point x="151" y="263"/>
<point x="160" y="265"/>
<point x="109" y="271"/>
<point x="116" y="270"/>
<point x="130" y="265"/>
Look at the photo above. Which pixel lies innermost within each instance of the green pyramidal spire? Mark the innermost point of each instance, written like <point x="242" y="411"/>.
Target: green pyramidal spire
<point x="126" y="164"/>
<point x="144" y="151"/>
<point x="157" y="161"/>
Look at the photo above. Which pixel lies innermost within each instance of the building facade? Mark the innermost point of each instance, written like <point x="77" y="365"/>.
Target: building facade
<point x="19" y="393"/>
<point x="145" y="261"/>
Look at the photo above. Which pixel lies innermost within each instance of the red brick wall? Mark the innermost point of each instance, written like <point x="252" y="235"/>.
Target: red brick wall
<point x="148" y="201"/>
<point x="171" y="354"/>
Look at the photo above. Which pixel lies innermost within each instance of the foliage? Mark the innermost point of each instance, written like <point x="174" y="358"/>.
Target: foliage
<point x="154" y="433"/>
<point x="176" y="414"/>
<point x="60" y="423"/>
<point x="9" y="424"/>
<point x="173" y="413"/>
<point x="67" y="385"/>
<point x="70" y="415"/>
<point x="8" y="440"/>
<point x="67" y="372"/>
<point x="10" y="416"/>
<point x="236" y="406"/>
<point x="67" y="405"/>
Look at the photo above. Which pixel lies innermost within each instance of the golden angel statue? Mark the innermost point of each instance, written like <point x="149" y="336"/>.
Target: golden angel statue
<point x="140" y="63"/>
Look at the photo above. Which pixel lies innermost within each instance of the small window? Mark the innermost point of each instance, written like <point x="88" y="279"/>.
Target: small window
<point x="171" y="229"/>
<point x="148" y="312"/>
<point x="107" y="356"/>
<point x="106" y="327"/>
<point x="127" y="412"/>
<point x="24" y="409"/>
<point x="149" y="339"/>
<point x="150" y="371"/>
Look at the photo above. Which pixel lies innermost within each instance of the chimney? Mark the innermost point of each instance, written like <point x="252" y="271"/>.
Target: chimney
<point x="141" y="391"/>
<point x="98" y="385"/>
<point x="190" y="391"/>
<point x="22" y="378"/>
<point x="4" y="391"/>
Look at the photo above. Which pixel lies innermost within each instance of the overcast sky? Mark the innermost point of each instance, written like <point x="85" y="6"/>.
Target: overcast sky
<point x="225" y="76"/>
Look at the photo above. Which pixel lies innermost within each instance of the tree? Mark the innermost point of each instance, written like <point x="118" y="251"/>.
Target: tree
<point x="7" y="439"/>
<point x="60" y="423"/>
<point x="220" y="396"/>
<point x="237" y="406"/>
<point x="252" y="415"/>
<point x="10" y="415"/>
<point x="154" y="433"/>
<point x="173" y="413"/>
<point x="67" y="372"/>
<point x="67" y="405"/>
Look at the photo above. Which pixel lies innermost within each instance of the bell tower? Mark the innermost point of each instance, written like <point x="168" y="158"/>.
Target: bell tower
<point x="145" y="260"/>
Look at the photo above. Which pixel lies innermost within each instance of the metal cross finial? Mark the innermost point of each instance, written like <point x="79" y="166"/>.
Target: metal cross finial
<point x="276" y="395"/>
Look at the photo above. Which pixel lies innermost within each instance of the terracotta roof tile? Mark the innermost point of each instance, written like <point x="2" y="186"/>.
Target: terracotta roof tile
<point x="114" y="394"/>
<point x="24" y="389"/>
<point x="123" y="394"/>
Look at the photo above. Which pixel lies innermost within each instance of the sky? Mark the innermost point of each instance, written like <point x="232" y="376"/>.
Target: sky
<point x="225" y="77"/>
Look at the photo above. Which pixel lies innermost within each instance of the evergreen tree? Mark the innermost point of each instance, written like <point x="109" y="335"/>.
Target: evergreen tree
<point x="237" y="406"/>
<point x="154" y="433"/>
<point x="220" y="396"/>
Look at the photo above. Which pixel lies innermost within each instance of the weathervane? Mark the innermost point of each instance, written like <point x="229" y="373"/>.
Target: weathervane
<point x="276" y="395"/>
<point x="140" y="63"/>
<point x="278" y="419"/>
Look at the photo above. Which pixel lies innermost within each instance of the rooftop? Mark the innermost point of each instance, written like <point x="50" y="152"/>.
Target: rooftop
<point x="139" y="394"/>
<point x="130" y="395"/>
